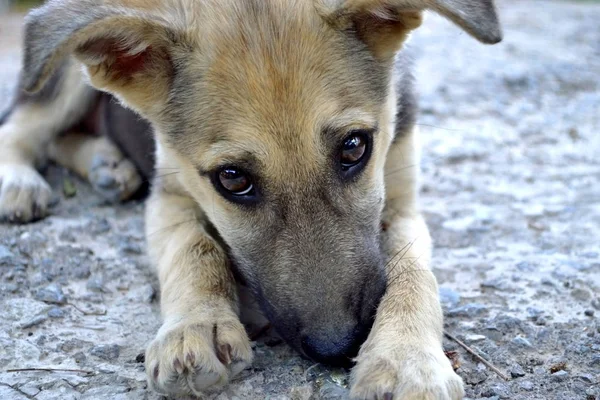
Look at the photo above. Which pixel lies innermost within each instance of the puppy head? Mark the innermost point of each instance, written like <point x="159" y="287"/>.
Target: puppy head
<point x="278" y="115"/>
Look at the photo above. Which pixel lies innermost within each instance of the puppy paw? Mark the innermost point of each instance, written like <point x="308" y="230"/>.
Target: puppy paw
<point x="393" y="373"/>
<point x="24" y="194"/>
<point x="194" y="357"/>
<point x="114" y="179"/>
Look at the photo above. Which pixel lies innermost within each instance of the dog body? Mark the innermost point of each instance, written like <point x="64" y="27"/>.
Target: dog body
<point x="284" y="140"/>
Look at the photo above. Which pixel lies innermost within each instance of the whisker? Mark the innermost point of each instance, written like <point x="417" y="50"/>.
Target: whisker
<point x="407" y="270"/>
<point x="149" y="180"/>
<point x="441" y="127"/>
<point x="396" y="255"/>
<point x="405" y="167"/>
<point x="406" y="249"/>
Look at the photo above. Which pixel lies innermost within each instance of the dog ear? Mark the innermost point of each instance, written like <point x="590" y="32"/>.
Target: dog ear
<point x="125" y="51"/>
<point x="384" y="24"/>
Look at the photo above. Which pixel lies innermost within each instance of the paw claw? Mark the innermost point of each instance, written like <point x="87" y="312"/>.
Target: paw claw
<point x="177" y="366"/>
<point x="194" y="360"/>
<point x="388" y="396"/>
<point x="224" y="353"/>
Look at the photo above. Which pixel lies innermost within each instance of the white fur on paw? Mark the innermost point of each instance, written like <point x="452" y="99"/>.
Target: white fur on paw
<point x="195" y="357"/>
<point x="408" y="374"/>
<point x="115" y="179"/>
<point x="24" y="194"/>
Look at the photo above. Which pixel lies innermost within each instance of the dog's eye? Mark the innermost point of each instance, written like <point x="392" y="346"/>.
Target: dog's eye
<point x="354" y="149"/>
<point x="235" y="181"/>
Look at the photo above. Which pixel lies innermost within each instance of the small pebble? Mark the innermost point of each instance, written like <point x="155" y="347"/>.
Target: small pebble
<point x="520" y="341"/>
<point x="52" y="294"/>
<point x="474" y="338"/>
<point x="589" y="313"/>
<point x="534" y="312"/>
<point x="56" y="312"/>
<point x="95" y="284"/>
<point x="107" y="352"/>
<point x="517" y="371"/>
<point x="560" y="376"/>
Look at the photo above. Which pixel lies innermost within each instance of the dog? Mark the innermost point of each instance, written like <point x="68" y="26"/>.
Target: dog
<point x="281" y="141"/>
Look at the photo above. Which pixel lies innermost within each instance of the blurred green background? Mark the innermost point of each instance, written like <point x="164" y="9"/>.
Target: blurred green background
<point x="18" y="5"/>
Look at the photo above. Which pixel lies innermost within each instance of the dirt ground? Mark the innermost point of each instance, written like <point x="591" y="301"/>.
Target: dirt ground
<point x="511" y="192"/>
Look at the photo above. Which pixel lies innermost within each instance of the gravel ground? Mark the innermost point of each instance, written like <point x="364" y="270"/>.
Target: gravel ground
<point x="511" y="192"/>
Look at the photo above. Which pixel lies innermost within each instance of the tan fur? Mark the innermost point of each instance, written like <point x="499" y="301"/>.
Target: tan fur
<point x="24" y="194"/>
<point x="278" y="82"/>
<point x="416" y="367"/>
<point x="199" y="304"/>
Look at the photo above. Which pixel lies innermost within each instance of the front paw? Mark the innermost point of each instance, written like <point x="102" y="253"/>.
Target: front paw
<point x="196" y="356"/>
<point x="405" y="373"/>
<point x="24" y="194"/>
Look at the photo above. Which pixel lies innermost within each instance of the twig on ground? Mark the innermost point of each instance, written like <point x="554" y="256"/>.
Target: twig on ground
<point x="477" y="356"/>
<point x="103" y="312"/>
<point x="77" y="371"/>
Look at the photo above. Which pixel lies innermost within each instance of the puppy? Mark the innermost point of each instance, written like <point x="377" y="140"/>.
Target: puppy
<point x="285" y="145"/>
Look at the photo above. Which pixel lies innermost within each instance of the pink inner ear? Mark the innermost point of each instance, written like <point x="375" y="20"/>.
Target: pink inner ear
<point x="126" y="64"/>
<point x="118" y="60"/>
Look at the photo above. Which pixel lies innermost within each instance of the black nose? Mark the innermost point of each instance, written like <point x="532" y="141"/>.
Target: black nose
<point x="338" y="350"/>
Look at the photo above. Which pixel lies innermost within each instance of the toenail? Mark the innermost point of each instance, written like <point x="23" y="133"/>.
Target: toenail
<point x="177" y="365"/>
<point x="224" y="353"/>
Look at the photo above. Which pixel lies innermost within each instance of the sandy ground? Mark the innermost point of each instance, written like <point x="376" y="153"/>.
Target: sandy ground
<point x="511" y="193"/>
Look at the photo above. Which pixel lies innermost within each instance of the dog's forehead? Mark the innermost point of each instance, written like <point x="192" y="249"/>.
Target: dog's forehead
<point x="272" y="76"/>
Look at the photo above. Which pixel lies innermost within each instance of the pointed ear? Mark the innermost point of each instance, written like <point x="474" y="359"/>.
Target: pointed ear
<point x="125" y="51"/>
<point x="384" y="24"/>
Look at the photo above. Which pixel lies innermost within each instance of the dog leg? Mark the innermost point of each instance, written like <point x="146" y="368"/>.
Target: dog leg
<point x="202" y="343"/>
<point x="25" y="134"/>
<point x="98" y="160"/>
<point x="403" y="356"/>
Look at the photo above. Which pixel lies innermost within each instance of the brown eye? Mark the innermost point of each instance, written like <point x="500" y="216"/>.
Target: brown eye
<point x="235" y="181"/>
<point x="353" y="150"/>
